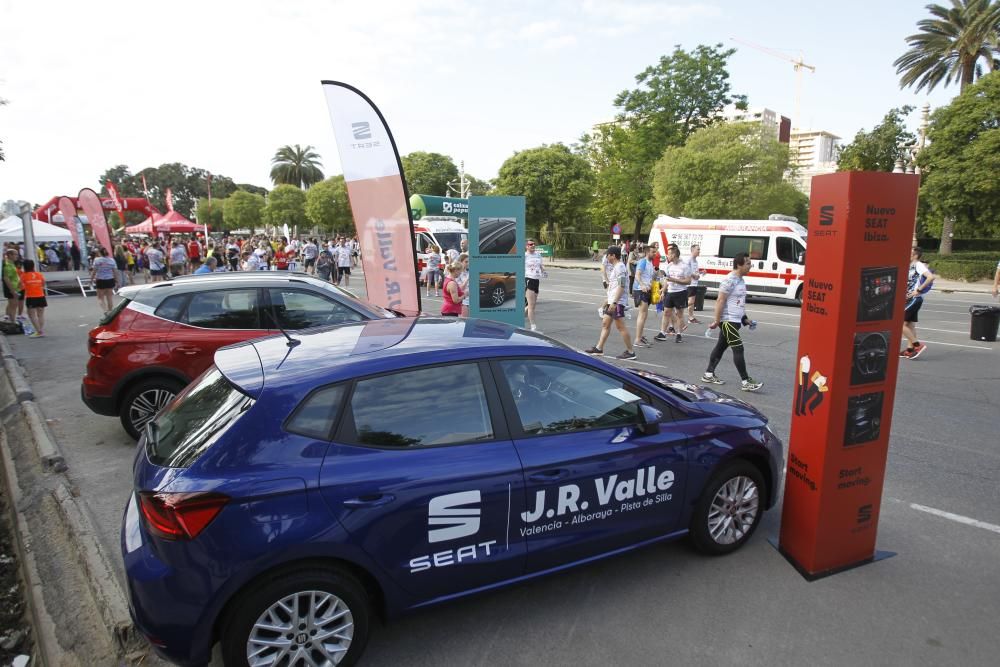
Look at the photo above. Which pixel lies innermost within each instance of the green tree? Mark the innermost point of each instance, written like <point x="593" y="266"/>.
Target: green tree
<point x="727" y="171"/>
<point x="558" y="186"/>
<point x="186" y="183"/>
<point x="477" y="186"/>
<point x="286" y="205"/>
<point x="428" y="173"/>
<point x="295" y="165"/>
<point x="211" y="215"/>
<point x="879" y="149"/>
<point x="949" y="46"/>
<point x="961" y="163"/>
<point x="243" y="210"/>
<point x="683" y="92"/>
<point x="327" y="206"/>
<point x="255" y="189"/>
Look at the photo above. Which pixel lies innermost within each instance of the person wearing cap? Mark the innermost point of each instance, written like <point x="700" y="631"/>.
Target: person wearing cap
<point x="614" y="309"/>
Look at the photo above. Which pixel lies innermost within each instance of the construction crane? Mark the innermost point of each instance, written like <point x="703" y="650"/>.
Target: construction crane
<point x="798" y="64"/>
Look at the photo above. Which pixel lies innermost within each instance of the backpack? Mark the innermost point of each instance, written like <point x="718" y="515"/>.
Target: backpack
<point x="11" y="328"/>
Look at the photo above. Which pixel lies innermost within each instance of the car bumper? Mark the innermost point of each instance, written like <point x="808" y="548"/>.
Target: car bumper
<point x="102" y="405"/>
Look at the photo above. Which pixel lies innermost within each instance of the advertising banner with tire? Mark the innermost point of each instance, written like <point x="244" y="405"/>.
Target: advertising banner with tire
<point x="860" y="235"/>
<point x="496" y="261"/>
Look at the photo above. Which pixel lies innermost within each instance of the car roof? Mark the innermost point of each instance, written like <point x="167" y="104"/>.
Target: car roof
<point x="330" y="354"/>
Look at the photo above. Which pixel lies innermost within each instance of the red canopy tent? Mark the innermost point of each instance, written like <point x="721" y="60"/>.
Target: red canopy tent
<point x="171" y="222"/>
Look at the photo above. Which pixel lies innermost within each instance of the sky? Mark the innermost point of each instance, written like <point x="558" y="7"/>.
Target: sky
<point x="221" y="85"/>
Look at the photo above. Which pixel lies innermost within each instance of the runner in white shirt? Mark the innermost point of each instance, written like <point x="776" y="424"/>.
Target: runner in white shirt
<point x="677" y="276"/>
<point x="533" y="273"/>
<point x="344" y="263"/>
<point x="614" y="309"/>
<point x="692" y="290"/>
<point x="918" y="283"/>
<point x="310" y="251"/>
<point x="730" y="315"/>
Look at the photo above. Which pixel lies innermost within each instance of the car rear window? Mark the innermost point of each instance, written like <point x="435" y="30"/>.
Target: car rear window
<point x="110" y="316"/>
<point x="195" y="420"/>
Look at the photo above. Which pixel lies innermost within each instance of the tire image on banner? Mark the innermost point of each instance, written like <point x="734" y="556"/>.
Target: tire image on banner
<point x="92" y="207"/>
<point x="379" y="201"/>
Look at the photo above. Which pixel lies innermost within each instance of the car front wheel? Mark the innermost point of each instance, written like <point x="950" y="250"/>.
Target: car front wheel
<point x="729" y="509"/>
<point x="309" y="617"/>
<point x="144" y="401"/>
<point x="498" y="295"/>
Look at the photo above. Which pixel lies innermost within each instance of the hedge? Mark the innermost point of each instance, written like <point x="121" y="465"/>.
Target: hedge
<point x="968" y="266"/>
<point x="960" y="245"/>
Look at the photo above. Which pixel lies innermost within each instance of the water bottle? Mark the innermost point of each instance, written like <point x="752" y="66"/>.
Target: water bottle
<point x="753" y="325"/>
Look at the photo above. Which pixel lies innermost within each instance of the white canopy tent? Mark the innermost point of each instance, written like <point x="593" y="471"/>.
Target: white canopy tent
<point x="11" y="229"/>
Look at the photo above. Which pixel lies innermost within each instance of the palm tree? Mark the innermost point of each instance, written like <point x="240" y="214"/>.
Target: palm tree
<point x="294" y="165"/>
<point x="949" y="46"/>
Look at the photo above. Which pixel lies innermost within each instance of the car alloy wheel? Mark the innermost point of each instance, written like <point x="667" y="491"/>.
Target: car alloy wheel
<point x="144" y="401"/>
<point x="305" y="628"/>
<point x="729" y="509"/>
<point x="498" y="295"/>
<point x="309" y="616"/>
<point x="734" y="510"/>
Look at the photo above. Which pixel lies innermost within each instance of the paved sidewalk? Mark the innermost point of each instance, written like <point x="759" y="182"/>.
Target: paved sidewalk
<point x="979" y="287"/>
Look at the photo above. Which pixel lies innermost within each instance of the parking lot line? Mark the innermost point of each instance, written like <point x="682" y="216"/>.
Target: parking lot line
<point x="958" y="518"/>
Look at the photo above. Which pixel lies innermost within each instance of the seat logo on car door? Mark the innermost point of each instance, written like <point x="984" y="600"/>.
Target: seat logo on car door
<point x="451" y="511"/>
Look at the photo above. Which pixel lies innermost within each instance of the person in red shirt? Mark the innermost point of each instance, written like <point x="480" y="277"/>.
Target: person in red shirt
<point x="281" y="259"/>
<point x="33" y="283"/>
<point x="194" y="253"/>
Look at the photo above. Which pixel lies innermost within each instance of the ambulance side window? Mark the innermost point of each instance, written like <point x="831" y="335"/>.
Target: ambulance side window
<point x="754" y="246"/>
<point x="789" y="249"/>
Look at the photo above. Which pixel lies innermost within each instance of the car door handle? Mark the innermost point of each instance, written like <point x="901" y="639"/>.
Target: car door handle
<point x="549" y="475"/>
<point x="774" y="266"/>
<point x="373" y="500"/>
<point x="183" y="349"/>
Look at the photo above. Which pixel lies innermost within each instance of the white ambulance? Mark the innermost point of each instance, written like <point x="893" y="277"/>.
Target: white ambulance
<point x="776" y="247"/>
<point x="444" y="232"/>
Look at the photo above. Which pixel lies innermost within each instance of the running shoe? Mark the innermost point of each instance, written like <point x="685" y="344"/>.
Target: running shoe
<point x="671" y="330"/>
<point x="908" y="353"/>
<point x="660" y="336"/>
<point x="751" y="385"/>
<point x="34" y="334"/>
<point x="626" y="355"/>
<point x="694" y="320"/>
<point x="712" y="378"/>
<point x="597" y="352"/>
<point x="918" y="349"/>
<point x="534" y="327"/>
<point x="678" y="339"/>
<point x="643" y="342"/>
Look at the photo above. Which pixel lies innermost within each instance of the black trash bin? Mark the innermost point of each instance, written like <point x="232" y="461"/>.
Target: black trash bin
<point x="985" y="322"/>
<point x="699" y="297"/>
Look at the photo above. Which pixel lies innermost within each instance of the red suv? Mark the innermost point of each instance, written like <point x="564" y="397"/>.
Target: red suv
<point x="163" y="335"/>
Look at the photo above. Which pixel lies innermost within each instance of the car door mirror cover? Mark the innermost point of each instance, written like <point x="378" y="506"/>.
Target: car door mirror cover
<point x="649" y="419"/>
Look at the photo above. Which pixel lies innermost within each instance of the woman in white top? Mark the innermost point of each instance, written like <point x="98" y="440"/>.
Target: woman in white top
<point x="533" y="273"/>
<point x="463" y="282"/>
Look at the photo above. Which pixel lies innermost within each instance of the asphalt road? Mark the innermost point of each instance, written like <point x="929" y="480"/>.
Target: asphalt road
<point x="936" y="602"/>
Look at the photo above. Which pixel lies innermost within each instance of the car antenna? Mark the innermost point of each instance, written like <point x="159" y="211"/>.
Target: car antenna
<point x="292" y="342"/>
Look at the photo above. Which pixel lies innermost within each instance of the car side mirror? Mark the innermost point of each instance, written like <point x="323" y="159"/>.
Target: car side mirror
<point x="649" y="419"/>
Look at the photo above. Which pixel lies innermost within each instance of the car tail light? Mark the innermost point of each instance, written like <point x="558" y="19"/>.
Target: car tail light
<point x="180" y="516"/>
<point x="100" y="347"/>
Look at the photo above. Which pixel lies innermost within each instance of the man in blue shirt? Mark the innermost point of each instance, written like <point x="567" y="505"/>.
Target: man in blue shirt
<point x="207" y="267"/>
<point x="642" y="293"/>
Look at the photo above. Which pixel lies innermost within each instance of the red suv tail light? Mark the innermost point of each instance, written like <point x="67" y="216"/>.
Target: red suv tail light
<point x="99" y="347"/>
<point x="180" y="516"/>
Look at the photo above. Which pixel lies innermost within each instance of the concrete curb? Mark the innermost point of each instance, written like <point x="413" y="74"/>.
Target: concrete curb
<point x="48" y="653"/>
<point x="50" y="456"/>
<point x="104" y="586"/>
<point x="109" y="595"/>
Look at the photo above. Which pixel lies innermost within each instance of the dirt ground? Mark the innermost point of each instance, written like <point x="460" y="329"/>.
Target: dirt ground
<point x="15" y="631"/>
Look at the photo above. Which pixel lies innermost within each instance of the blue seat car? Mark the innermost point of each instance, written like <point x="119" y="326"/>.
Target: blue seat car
<point x="302" y="487"/>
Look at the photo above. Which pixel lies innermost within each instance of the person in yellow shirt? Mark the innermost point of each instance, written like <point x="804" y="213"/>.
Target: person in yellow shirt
<point x="33" y="283"/>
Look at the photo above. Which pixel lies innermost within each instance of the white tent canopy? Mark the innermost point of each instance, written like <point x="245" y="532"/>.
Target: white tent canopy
<point x="11" y="229"/>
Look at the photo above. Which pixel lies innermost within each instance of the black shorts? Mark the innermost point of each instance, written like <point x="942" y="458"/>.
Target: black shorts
<point x="692" y="290"/>
<point x="531" y="284"/>
<point x="343" y="271"/>
<point x="676" y="300"/>
<point x="36" y="302"/>
<point x="639" y="297"/>
<point x="910" y="314"/>
<point x="6" y="292"/>
<point x="310" y="261"/>
<point x="158" y="272"/>
<point x="106" y="283"/>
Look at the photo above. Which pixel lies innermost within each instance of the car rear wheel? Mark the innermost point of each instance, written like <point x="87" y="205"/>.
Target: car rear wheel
<point x="729" y="509"/>
<point x="309" y="617"/>
<point x="143" y="401"/>
<point x="498" y="295"/>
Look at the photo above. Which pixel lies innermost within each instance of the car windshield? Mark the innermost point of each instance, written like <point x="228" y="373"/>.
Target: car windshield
<point x="373" y="311"/>
<point x="195" y="420"/>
